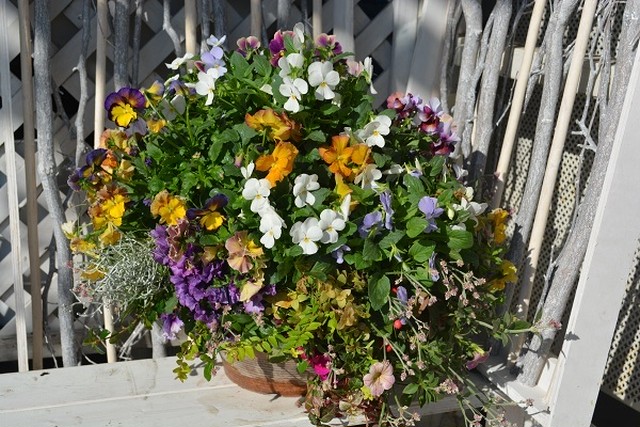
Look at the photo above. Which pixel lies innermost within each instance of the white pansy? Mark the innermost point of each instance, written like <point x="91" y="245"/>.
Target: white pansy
<point x="257" y="190"/>
<point x="213" y="41"/>
<point x="293" y="91"/>
<point x="374" y="132"/>
<point x="306" y="234"/>
<point x="267" y="89"/>
<point x="302" y="188"/>
<point x="271" y="227"/>
<point x="345" y="206"/>
<point x="368" y="177"/>
<point x="176" y="63"/>
<point x="298" y="36"/>
<point x="368" y="72"/>
<point x="288" y="64"/>
<point x="467" y="204"/>
<point x="247" y="171"/>
<point x="324" y="78"/>
<point x="206" y="85"/>
<point x="394" y="169"/>
<point x="330" y="223"/>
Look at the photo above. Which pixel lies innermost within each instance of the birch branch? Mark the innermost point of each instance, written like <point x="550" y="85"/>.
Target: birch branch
<point x="135" y="48"/>
<point x="168" y="27"/>
<point x="453" y="18"/>
<point x="284" y="9"/>
<point x="570" y="259"/>
<point x="219" y="18"/>
<point x="47" y="170"/>
<point x="81" y="146"/>
<point x="472" y="10"/>
<point x="489" y="89"/>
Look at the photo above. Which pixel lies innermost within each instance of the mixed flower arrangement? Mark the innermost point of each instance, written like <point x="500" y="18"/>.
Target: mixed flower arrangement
<point x="283" y="214"/>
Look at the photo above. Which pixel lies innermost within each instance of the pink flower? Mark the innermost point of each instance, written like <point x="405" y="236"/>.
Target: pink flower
<point x="321" y="365"/>
<point x="478" y="358"/>
<point x="379" y="378"/>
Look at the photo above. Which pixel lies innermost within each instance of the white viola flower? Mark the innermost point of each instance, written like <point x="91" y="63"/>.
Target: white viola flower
<point x="271" y="227"/>
<point x="257" y="190"/>
<point x="345" y="207"/>
<point x="247" y="171"/>
<point x="288" y="64"/>
<point x="213" y="41"/>
<point x="176" y="63"/>
<point x="368" y="177"/>
<point x="374" y="132"/>
<point x="306" y="234"/>
<point x="293" y="91"/>
<point x="368" y="73"/>
<point x="394" y="169"/>
<point x="298" y="36"/>
<point x="473" y="208"/>
<point x="267" y="89"/>
<point x="302" y="188"/>
<point x="206" y="84"/>
<point x="330" y="223"/>
<point x="324" y="78"/>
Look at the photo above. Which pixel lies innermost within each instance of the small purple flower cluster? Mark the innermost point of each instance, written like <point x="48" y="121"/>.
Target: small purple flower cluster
<point x="429" y="118"/>
<point x="206" y="288"/>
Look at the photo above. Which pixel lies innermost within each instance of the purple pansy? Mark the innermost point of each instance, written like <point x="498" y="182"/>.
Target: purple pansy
<point x="370" y="222"/>
<point x="171" y="325"/>
<point x="338" y="253"/>
<point x="247" y="45"/>
<point x="385" y="199"/>
<point x="429" y="207"/>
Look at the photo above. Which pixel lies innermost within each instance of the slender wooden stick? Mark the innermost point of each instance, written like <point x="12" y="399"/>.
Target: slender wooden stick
<point x="518" y="100"/>
<point x="555" y="156"/>
<point x="317" y="18"/>
<point x="191" y="24"/>
<point x="31" y="184"/>
<point x="256" y="18"/>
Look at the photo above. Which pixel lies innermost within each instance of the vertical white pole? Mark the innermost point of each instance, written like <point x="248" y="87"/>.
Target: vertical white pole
<point x="317" y="18"/>
<point x="608" y="260"/>
<point x="6" y="137"/>
<point x="517" y="103"/>
<point x="256" y="18"/>
<point x="102" y="33"/>
<point x="190" y="17"/>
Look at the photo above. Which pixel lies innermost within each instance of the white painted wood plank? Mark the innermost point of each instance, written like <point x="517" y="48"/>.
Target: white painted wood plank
<point x="343" y="24"/>
<point x="405" y="29"/>
<point x="608" y="260"/>
<point x="425" y="67"/>
<point x="6" y="135"/>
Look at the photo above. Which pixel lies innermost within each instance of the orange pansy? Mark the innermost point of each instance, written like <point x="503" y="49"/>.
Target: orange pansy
<point x="279" y="163"/>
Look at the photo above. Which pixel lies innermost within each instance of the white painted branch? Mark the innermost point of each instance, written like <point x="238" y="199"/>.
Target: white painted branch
<point x="219" y="18"/>
<point x="31" y="184"/>
<point x="135" y="43"/>
<point x="518" y="100"/>
<point x="453" y="17"/>
<point x="6" y="137"/>
<point x="48" y="173"/>
<point x="190" y="27"/>
<point x="485" y="122"/>
<point x="472" y="10"/>
<point x="168" y="27"/>
<point x="555" y="157"/>
<point x="205" y="21"/>
<point x="570" y="258"/>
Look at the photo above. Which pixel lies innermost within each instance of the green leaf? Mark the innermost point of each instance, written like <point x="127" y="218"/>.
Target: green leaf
<point x="379" y="288"/>
<point x="262" y="65"/>
<point x="371" y="251"/>
<point x="302" y="366"/>
<point x="416" y="226"/>
<point x="380" y="159"/>
<point x="245" y="132"/>
<point x="391" y="239"/>
<point x="459" y="239"/>
<point x="215" y="149"/>
<point x="410" y="389"/>
<point x="437" y="164"/>
<point x="320" y="270"/>
<point x="421" y="253"/>
<point x="239" y="65"/>
<point x="208" y="367"/>
<point x="357" y="261"/>
<point x="170" y="304"/>
<point x="317" y="136"/>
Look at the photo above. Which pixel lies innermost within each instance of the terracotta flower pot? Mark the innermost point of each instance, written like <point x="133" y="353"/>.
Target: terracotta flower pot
<point x="262" y="376"/>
